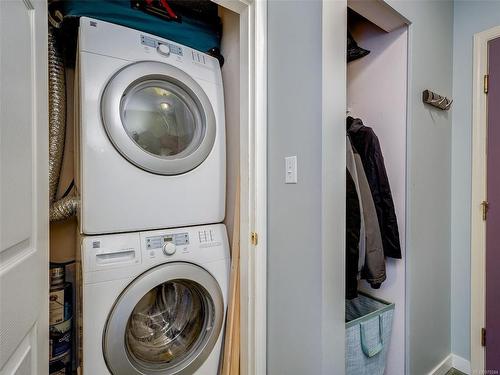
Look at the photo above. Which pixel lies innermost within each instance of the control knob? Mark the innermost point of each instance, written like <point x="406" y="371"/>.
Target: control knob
<point x="163" y="49"/>
<point x="169" y="248"/>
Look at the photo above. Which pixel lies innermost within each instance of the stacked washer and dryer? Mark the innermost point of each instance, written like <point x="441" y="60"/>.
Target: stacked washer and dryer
<point x="150" y="160"/>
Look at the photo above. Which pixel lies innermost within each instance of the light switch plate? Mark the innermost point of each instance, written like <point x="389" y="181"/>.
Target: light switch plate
<point x="291" y="170"/>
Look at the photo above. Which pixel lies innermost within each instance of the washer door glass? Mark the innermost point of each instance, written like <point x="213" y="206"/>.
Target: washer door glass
<point x="167" y="321"/>
<point x="158" y="117"/>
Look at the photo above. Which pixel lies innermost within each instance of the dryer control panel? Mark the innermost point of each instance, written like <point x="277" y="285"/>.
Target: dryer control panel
<point x="163" y="47"/>
<point x="118" y="42"/>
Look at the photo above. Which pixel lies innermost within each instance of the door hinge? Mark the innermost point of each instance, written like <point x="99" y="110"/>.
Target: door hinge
<point x="255" y="238"/>
<point x="485" y="205"/>
<point x="483" y="336"/>
<point x="486" y="83"/>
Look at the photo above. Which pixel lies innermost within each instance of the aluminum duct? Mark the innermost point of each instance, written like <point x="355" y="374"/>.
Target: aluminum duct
<point x="57" y="113"/>
<point x="67" y="206"/>
<point x="64" y="208"/>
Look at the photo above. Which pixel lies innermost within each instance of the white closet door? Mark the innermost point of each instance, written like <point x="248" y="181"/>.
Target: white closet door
<point x="23" y="188"/>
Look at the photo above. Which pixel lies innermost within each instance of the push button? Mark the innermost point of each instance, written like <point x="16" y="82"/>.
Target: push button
<point x="163" y="49"/>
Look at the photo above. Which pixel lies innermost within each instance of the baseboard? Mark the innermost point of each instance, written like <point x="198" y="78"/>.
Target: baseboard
<point x="443" y="367"/>
<point x="452" y="361"/>
<point x="461" y="364"/>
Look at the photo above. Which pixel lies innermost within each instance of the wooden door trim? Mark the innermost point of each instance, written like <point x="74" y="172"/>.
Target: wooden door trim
<point x="479" y="195"/>
<point x="253" y="178"/>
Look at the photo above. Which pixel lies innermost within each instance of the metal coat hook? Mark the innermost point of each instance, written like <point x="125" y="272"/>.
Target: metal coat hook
<point x="438" y="101"/>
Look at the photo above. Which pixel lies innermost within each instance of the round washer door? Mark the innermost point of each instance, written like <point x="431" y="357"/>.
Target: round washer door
<point x="167" y="321"/>
<point x="158" y="118"/>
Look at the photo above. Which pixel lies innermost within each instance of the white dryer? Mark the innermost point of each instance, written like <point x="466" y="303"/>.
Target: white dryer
<point x="151" y="132"/>
<point x="154" y="302"/>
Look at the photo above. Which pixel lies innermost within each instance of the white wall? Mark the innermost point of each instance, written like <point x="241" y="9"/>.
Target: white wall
<point x="428" y="252"/>
<point x="470" y="17"/>
<point x="230" y="49"/>
<point x="377" y="93"/>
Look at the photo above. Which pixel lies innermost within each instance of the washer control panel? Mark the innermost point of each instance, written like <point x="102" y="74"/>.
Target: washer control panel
<point x="191" y="244"/>
<point x="116" y="256"/>
<point x="158" y="242"/>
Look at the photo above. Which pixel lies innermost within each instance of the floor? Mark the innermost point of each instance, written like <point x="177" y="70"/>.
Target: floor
<point x="454" y="372"/>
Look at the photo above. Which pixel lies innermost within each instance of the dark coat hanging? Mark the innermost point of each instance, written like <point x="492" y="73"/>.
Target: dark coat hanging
<point x="371" y="249"/>
<point x="353" y="227"/>
<point x="367" y="144"/>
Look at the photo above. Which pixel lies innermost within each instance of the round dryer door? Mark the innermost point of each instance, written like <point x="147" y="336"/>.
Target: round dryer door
<point x="167" y="321"/>
<point x="158" y="118"/>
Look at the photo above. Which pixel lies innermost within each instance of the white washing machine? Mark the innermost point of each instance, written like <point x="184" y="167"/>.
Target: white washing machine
<point x="150" y="139"/>
<point x="154" y="302"/>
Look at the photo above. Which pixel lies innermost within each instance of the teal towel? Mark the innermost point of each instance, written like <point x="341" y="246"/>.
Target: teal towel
<point x="189" y="32"/>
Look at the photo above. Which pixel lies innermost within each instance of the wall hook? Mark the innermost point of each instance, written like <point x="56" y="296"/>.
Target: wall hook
<point x="438" y="101"/>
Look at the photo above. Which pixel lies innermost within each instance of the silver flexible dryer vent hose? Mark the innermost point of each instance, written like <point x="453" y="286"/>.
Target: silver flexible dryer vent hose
<point x="67" y="206"/>
<point x="64" y="208"/>
<point x="57" y="113"/>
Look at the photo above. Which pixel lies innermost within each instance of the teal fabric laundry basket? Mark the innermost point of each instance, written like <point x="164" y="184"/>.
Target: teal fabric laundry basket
<point x="368" y="334"/>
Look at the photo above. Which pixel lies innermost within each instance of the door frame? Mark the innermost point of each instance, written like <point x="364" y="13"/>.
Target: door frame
<point x="253" y="185"/>
<point x="479" y="194"/>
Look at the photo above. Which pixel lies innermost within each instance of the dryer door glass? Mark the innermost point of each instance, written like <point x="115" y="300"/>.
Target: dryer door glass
<point x="168" y="322"/>
<point x="158" y="118"/>
<point x="162" y="119"/>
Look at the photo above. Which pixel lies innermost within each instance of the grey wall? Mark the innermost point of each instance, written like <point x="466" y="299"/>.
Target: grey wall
<point x="470" y="17"/>
<point x="429" y="185"/>
<point x="306" y="248"/>
<point x="296" y="276"/>
<point x="294" y="211"/>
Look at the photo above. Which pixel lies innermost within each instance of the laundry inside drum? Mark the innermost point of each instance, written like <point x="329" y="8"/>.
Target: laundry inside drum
<point x="168" y="322"/>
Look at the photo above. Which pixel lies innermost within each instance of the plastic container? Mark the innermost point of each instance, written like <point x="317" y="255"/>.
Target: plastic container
<point x="61" y="295"/>
<point x="60" y="339"/>
<point x="61" y="365"/>
<point x="368" y="334"/>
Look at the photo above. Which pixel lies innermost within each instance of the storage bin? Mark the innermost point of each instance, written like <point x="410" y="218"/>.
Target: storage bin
<point x="368" y="334"/>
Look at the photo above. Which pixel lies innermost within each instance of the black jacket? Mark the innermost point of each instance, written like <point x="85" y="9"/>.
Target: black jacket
<point x="367" y="144"/>
<point x="353" y="227"/>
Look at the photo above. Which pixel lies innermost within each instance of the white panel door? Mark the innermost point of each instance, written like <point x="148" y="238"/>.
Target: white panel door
<point x="23" y="188"/>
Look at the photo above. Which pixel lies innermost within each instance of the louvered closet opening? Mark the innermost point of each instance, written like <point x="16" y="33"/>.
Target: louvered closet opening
<point x="376" y="123"/>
